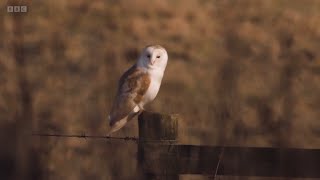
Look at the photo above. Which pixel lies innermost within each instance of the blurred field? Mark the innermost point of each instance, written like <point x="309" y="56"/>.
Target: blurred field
<point x="240" y="72"/>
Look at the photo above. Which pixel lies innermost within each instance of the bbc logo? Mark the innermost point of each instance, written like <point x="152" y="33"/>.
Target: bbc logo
<point x="16" y="9"/>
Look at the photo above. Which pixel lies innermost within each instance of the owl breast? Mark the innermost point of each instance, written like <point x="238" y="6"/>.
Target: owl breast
<point x="152" y="90"/>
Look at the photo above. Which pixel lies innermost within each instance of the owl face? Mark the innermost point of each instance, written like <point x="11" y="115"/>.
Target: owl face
<point x="153" y="57"/>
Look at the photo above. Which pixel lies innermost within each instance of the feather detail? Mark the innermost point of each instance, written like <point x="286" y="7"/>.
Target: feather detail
<point x="132" y="87"/>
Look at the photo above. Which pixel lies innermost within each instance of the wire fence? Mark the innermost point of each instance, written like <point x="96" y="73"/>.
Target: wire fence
<point x="84" y="136"/>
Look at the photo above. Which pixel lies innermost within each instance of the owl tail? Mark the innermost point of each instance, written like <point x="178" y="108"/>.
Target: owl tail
<point x="118" y="125"/>
<point x="122" y="122"/>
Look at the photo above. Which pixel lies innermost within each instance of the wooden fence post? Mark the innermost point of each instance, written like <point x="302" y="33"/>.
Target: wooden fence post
<point x="156" y="129"/>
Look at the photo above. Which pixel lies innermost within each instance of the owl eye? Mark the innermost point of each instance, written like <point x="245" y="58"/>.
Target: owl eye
<point x="148" y="56"/>
<point x="158" y="56"/>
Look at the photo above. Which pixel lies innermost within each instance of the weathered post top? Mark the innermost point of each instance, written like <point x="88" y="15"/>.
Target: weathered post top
<point x="158" y="127"/>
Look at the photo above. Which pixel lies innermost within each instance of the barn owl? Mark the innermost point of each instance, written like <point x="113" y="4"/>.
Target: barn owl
<point x="138" y="86"/>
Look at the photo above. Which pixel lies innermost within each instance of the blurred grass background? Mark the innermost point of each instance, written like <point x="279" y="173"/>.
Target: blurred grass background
<point x="240" y="72"/>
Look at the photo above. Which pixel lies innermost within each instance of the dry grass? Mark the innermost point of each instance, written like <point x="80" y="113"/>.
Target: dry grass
<point x="240" y="72"/>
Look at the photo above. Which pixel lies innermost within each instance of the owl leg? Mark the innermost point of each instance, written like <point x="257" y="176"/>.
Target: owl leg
<point x="140" y="107"/>
<point x="136" y="110"/>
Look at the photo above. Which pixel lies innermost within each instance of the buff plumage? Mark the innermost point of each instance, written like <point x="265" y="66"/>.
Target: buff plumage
<point x="138" y="86"/>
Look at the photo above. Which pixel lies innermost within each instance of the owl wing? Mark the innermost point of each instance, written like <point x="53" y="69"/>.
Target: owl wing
<point x="133" y="84"/>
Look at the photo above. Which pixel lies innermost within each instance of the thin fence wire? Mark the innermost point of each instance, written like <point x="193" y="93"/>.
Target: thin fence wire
<point x="84" y="136"/>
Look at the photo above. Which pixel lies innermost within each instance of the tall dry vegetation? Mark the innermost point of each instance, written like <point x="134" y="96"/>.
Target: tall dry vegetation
<point x="240" y="72"/>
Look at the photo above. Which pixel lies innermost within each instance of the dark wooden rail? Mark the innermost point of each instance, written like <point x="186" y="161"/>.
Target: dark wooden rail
<point x="160" y="157"/>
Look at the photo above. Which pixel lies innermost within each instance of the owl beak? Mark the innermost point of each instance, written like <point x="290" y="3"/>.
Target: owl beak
<point x="152" y="61"/>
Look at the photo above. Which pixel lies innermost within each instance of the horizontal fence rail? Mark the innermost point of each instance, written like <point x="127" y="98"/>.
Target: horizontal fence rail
<point x="166" y="159"/>
<point x="236" y="161"/>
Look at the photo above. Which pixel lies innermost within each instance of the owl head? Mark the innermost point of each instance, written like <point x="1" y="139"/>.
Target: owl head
<point x="153" y="57"/>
